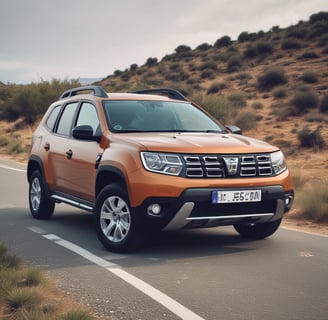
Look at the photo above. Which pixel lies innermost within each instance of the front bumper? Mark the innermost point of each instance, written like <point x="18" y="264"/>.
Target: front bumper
<point x="194" y="209"/>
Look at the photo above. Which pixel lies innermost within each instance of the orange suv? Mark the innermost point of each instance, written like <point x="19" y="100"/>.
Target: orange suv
<point x="152" y="160"/>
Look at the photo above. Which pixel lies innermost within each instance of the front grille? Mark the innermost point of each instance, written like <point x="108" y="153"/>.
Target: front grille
<point x="232" y="166"/>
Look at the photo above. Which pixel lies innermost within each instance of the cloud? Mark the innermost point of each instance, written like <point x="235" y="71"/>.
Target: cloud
<point x="91" y="38"/>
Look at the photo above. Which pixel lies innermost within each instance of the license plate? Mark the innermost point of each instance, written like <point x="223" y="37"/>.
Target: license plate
<point x="236" y="196"/>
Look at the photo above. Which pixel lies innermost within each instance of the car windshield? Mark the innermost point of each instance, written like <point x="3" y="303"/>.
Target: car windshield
<point x="157" y="116"/>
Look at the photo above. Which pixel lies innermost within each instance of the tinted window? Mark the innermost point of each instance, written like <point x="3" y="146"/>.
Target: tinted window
<point x="88" y="116"/>
<point x="53" y="117"/>
<point x="150" y="116"/>
<point x="66" y="119"/>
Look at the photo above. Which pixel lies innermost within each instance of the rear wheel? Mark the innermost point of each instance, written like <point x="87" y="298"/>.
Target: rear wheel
<point x="116" y="224"/>
<point x="41" y="206"/>
<point x="258" y="230"/>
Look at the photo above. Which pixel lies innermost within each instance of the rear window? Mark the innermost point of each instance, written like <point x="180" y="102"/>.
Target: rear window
<point x="51" y="121"/>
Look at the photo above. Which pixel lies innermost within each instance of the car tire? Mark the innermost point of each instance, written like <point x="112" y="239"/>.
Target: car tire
<point x="116" y="223"/>
<point x="258" y="230"/>
<point x="41" y="207"/>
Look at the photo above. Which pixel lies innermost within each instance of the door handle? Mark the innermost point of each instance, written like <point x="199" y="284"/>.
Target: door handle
<point x="69" y="154"/>
<point x="46" y="146"/>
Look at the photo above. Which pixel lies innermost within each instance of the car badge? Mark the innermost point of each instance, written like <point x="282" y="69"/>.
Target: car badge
<point x="231" y="164"/>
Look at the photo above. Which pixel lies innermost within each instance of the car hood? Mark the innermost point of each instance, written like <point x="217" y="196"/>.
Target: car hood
<point x="196" y="142"/>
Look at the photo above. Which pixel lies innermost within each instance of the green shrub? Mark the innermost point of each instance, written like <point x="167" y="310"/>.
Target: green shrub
<point x="204" y="47"/>
<point x="234" y="62"/>
<point x="220" y="107"/>
<point x="29" y="102"/>
<point x="23" y="298"/>
<point x="214" y="88"/>
<point x="238" y="99"/>
<point x="309" y="77"/>
<point x="208" y="74"/>
<point x="304" y="100"/>
<point x="256" y="105"/>
<point x="263" y="48"/>
<point x="291" y="43"/>
<point x="77" y="315"/>
<point x="322" y="15"/>
<point x="308" y="55"/>
<point x="324" y="104"/>
<point x="151" y="62"/>
<point x="271" y="78"/>
<point x="313" y="201"/>
<point x="246" y="120"/>
<point x="210" y="64"/>
<point x="279" y="92"/>
<point x="311" y="138"/>
<point x="224" y="41"/>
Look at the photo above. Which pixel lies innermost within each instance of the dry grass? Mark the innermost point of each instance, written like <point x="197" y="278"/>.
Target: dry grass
<point x="29" y="294"/>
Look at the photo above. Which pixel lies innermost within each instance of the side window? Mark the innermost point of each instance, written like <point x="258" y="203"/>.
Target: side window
<point x="88" y="116"/>
<point x="50" y="123"/>
<point x="66" y="119"/>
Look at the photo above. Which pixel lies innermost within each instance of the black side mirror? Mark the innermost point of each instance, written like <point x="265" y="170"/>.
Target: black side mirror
<point x="234" y="129"/>
<point x="85" y="132"/>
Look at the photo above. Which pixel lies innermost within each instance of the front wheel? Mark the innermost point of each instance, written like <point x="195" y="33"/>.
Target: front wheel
<point x="258" y="230"/>
<point x="41" y="206"/>
<point x="116" y="224"/>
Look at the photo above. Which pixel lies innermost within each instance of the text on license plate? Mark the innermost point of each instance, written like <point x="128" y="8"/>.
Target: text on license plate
<point x="236" y="196"/>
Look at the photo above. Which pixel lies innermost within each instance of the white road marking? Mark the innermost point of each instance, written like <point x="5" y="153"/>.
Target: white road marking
<point x="3" y="166"/>
<point x="160" y="297"/>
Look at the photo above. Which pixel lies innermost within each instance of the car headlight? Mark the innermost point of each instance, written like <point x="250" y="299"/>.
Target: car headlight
<point x="278" y="162"/>
<point x="162" y="162"/>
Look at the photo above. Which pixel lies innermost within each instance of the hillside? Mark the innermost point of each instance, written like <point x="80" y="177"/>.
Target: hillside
<point x="274" y="85"/>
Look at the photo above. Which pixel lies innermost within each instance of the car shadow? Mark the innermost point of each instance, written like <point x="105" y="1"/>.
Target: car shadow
<point x="77" y="227"/>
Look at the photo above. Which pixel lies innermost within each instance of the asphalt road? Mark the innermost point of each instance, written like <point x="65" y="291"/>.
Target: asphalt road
<point x="201" y="274"/>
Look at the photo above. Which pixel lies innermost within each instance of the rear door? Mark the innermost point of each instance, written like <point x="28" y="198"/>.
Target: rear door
<point x="57" y="157"/>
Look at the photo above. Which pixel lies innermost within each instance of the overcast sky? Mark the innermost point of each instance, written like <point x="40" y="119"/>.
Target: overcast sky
<point x="45" y="39"/>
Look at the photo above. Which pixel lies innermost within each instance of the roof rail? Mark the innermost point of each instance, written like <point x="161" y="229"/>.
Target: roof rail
<point x="97" y="91"/>
<point x="171" y="93"/>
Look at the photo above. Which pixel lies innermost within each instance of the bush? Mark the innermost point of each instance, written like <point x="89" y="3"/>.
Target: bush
<point x="220" y="107"/>
<point x="311" y="138"/>
<point x="319" y="17"/>
<point x="256" y="105"/>
<point x="304" y="100"/>
<point x="210" y="64"/>
<point x="246" y="121"/>
<point x="312" y="201"/>
<point x="151" y="62"/>
<point x="309" y="77"/>
<point x="263" y="48"/>
<point x="216" y="87"/>
<point x="291" y="43"/>
<point x="238" y="99"/>
<point x="271" y="78"/>
<point x="224" y="41"/>
<point x="324" y="104"/>
<point x="208" y="74"/>
<point x="234" y="62"/>
<point x="279" y="92"/>
<point x="29" y="102"/>
<point x="204" y="47"/>
<point x="308" y="55"/>
<point x="245" y="36"/>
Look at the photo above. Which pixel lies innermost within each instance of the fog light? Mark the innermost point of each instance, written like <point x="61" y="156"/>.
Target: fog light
<point x="154" y="209"/>
<point x="288" y="201"/>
